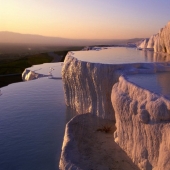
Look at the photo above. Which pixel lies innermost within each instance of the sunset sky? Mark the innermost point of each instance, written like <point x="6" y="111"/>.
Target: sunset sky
<point x="86" y="19"/>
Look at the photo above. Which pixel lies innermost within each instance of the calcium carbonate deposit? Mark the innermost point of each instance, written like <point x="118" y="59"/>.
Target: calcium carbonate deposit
<point x="143" y="123"/>
<point x="159" y="42"/>
<point x="50" y="70"/>
<point x="142" y="117"/>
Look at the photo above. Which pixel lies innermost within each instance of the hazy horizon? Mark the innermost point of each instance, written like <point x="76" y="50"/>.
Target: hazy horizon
<point x="18" y="38"/>
<point x="73" y="19"/>
<point x="39" y="35"/>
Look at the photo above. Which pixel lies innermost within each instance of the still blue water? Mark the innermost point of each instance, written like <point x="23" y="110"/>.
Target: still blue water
<point x="33" y="114"/>
<point x="45" y="68"/>
<point x="120" y="55"/>
<point x="32" y="122"/>
<point x="158" y="83"/>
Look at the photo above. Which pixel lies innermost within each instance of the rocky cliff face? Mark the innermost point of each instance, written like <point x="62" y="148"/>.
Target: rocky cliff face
<point x="152" y="41"/>
<point x="143" y="124"/>
<point x="142" y="118"/>
<point x="162" y="43"/>
<point x="87" y="86"/>
<point x="143" y="44"/>
<point x="159" y="42"/>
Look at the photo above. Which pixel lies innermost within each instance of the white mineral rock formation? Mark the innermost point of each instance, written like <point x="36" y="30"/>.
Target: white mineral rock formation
<point x="87" y="86"/>
<point x="29" y="75"/>
<point x="144" y="44"/>
<point x="159" y="42"/>
<point x="149" y="43"/>
<point x="86" y="147"/>
<point x="52" y="70"/>
<point x="24" y="74"/>
<point x="152" y="41"/>
<point x="142" y="118"/>
<point x="143" y="125"/>
<point x="163" y="42"/>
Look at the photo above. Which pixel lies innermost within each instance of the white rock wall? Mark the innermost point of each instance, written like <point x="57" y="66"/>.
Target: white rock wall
<point x="87" y="86"/>
<point x="143" y="44"/>
<point x="159" y="42"/>
<point x="163" y="42"/>
<point x="142" y="122"/>
<point x="151" y="41"/>
<point x="140" y="115"/>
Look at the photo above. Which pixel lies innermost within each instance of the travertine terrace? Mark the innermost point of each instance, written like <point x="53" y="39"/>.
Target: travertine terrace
<point x="142" y="117"/>
<point x="159" y="42"/>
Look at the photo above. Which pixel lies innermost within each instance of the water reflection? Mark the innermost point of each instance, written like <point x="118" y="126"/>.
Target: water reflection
<point x="120" y="55"/>
<point x="158" y="83"/>
<point x="164" y="82"/>
<point x="155" y="57"/>
<point x="32" y="123"/>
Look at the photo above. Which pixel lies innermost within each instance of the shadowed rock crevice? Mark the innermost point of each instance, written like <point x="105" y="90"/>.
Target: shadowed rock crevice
<point x="85" y="147"/>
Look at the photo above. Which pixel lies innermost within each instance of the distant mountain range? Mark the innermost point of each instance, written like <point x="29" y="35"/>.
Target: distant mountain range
<point x="11" y="37"/>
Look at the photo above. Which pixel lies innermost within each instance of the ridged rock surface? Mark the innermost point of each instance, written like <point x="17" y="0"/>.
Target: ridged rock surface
<point x="149" y="43"/>
<point x="143" y="44"/>
<point x="87" y="86"/>
<point x="152" y="41"/>
<point x="143" y="125"/>
<point x="159" y="42"/>
<point x="163" y="41"/>
<point x="142" y="118"/>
